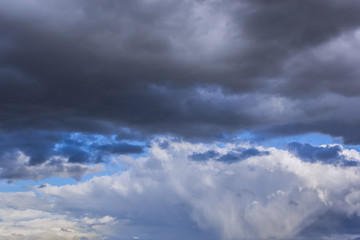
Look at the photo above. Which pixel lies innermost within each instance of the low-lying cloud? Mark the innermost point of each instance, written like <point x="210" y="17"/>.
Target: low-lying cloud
<point x="167" y="195"/>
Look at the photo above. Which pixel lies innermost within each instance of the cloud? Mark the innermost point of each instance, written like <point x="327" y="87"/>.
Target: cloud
<point x="36" y="144"/>
<point x="38" y="155"/>
<point x="241" y="155"/>
<point x="229" y="157"/>
<point x="121" y="148"/>
<point x="17" y="166"/>
<point x="311" y="153"/>
<point x="328" y="154"/>
<point x="82" y="82"/>
<point x="189" y="69"/>
<point x="204" y="156"/>
<point x="167" y="195"/>
<point x="24" y="225"/>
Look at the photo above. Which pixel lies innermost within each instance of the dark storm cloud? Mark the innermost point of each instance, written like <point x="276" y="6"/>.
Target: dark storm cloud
<point x="278" y="35"/>
<point x="121" y="148"/>
<point x="36" y="144"/>
<point x="88" y="149"/>
<point x="241" y="155"/>
<point x="81" y="152"/>
<point x="204" y="156"/>
<point x="348" y="130"/>
<point x="75" y="153"/>
<point x="312" y="154"/>
<point x="44" y="148"/>
<point x="14" y="166"/>
<point x="229" y="157"/>
<point x="189" y="68"/>
<point x="324" y="154"/>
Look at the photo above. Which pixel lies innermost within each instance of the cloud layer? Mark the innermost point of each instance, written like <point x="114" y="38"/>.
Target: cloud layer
<point x="191" y="68"/>
<point x="167" y="87"/>
<point x="169" y="195"/>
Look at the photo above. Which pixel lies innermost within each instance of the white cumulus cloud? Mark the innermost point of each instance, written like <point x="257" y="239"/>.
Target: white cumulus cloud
<point x="169" y="195"/>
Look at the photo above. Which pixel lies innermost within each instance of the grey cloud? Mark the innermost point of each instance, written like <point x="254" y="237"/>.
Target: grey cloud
<point x="121" y="148"/>
<point x="36" y="144"/>
<point x="332" y="223"/>
<point x="325" y="154"/>
<point x="294" y="25"/>
<point x="75" y="154"/>
<point x="98" y="62"/>
<point x="27" y="154"/>
<point x="41" y="145"/>
<point x="88" y="150"/>
<point x="279" y="31"/>
<point x="204" y="156"/>
<point x="313" y="154"/>
<point x="15" y="166"/>
<point x="194" y="69"/>
<point x="231" y="156"/>
<point x="348" y="131"/>
<point x="241" y="154"/>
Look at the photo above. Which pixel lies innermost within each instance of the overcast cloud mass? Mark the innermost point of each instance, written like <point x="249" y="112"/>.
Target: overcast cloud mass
<point x="144" y="103"/>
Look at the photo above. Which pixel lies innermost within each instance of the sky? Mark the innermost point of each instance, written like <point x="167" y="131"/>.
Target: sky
<point x="172" y="120"/>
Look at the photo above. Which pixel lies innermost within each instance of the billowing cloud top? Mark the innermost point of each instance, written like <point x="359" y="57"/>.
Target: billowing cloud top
<point x="169" y="195"/>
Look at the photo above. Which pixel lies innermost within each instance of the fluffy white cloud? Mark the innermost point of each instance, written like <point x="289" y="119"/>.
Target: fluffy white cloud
<point x="25" y="216"/>
<point x="265" y="193"/>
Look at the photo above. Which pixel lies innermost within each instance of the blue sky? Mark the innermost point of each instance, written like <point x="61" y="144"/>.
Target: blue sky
<point x="189" y="119"/>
